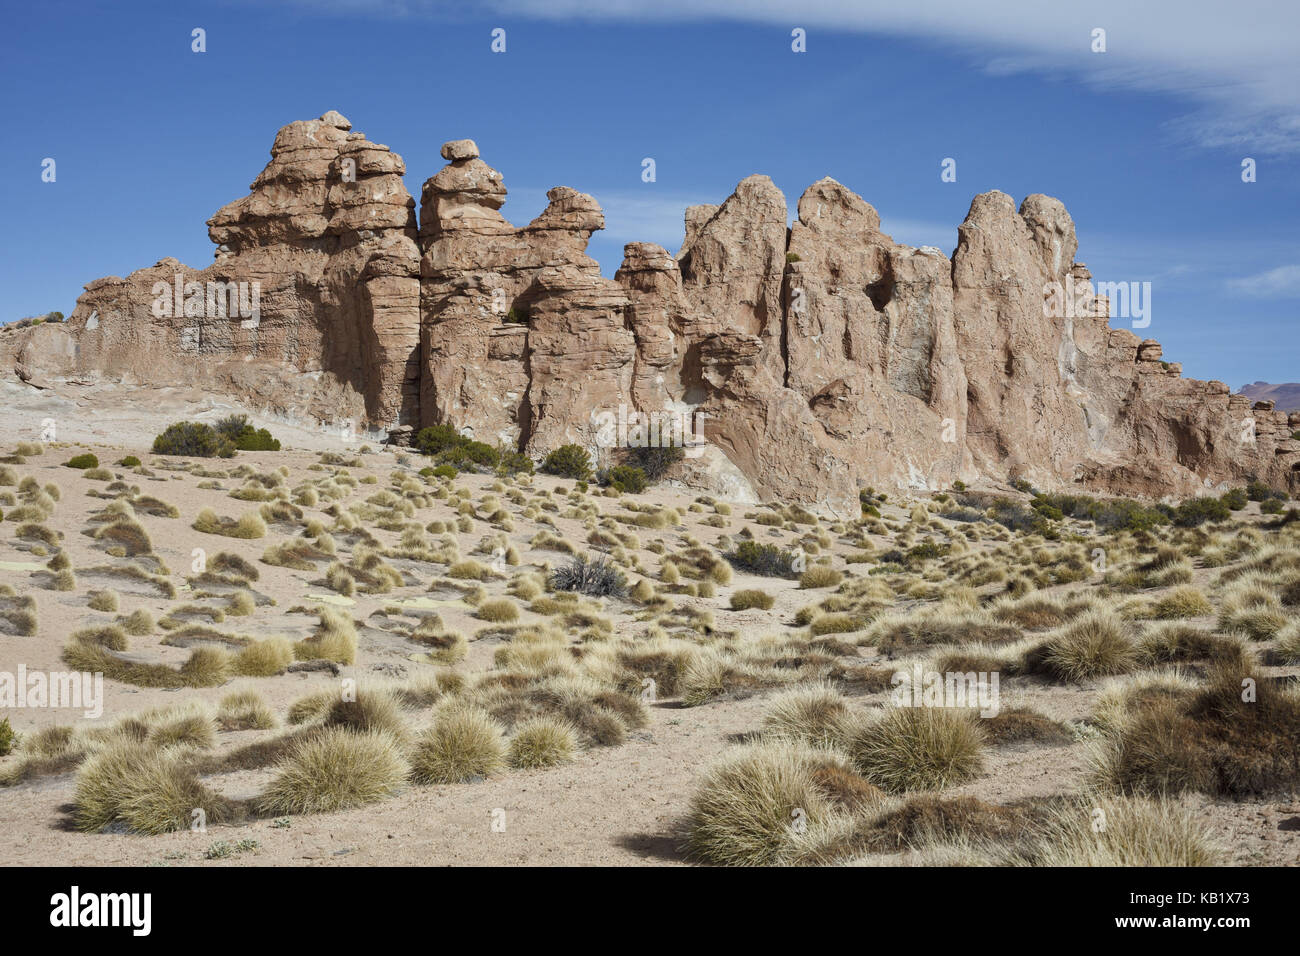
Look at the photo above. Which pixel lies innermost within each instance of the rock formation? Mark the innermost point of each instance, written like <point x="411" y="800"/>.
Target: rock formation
<point x="816" y="358"/>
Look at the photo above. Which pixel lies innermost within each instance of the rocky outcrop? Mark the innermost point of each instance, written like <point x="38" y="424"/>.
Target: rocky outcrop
<point x="310" y="308"/>
<point x="815" y="358"/>
<point x="522" y="340"/>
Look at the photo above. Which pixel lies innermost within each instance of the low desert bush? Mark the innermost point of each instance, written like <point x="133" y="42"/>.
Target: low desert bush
<point x="767" y="560"/>
<point x="193" y="440"/>
<point x="568" y="461"/>
<point x="598" y="577"/>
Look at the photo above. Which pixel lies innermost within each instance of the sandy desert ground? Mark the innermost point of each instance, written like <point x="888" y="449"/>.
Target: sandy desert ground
<point x="446" y="585"/>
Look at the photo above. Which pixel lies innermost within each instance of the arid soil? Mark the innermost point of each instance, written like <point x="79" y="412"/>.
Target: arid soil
<point x="624" y="804"/>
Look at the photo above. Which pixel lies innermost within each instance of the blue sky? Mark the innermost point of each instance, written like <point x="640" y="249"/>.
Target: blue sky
<point x="1143" y="143"/>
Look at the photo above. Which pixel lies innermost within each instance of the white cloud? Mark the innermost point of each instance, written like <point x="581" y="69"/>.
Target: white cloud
<point x="1235" y="64"/>
<point x="1280" y="283"/>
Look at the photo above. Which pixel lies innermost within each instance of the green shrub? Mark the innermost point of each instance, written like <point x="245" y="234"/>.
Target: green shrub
<point x="513" y="462"/>
<point x="654" y="460"/>
<point x="1271" y="506"/>
<point x="765" y="559"/>
<point x="130" y="461"/>
<point x="468" y="454"/>
<point x="82" y="462"/>
<point x="436" y="438"/>
<point x="568" y="461"/>
<point x="1112" y="514"/>
<point x="625" y="478"/>
<point x="450" y="447"/>
<point x="256" y="439"/>
<point x="1235" y="499"/>
<point x="444" y="471"/>
<point x="1197" y="511"/>
<point x="194" y="440"/>
<point x="1256" y="490"/>
<point x="6" y="737"/>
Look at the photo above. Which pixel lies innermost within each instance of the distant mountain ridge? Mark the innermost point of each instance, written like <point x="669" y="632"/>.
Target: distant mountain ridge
<point x="1285" y="397"/>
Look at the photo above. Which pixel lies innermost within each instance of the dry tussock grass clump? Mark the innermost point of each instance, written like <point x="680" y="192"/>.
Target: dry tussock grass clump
<point x="298" y="554"/>
<point x="248" y="525"/>
<point x="335" y="639"/>
<point x="746" y="599"/>
<point x="469" y="569"/>
<point x="920" y="822"/>
<point x="1288" y="643"/>
<point x="917" y="748"/>
<point x="731" y="667"/>
<point x="138" y="623"/>
<point x="18" y="615"/>
<point x="1035" y="612"/>
<point x="654" y="664"/>
<point x="1083" y="830"/>
<point x="1236" y="736"/>
<point x="1133" y="833"/>
<point x="126" y="534"/>
<point x="895" y="634"/>
<point x="759" y="803"/>
<point x="105" y="600"/>
<point x="463" y="743"/>
<point x="816" y="714"/>
<point x="1182" y="602"/>
<point x="144" y="789"/>
<point x="498" y="610"/>
<point x="1096" y="644"/>
<point x="1018" y="724"/>
<point x="445" y="647"/>
<point x="1173" y="642"/>
<point x="244" y="710"/>
<point x="820" y="576"/>
<point x="542" y="742"/>
<point x="369" y="709"/>
<point x="336" y="769"/>
<point x="265" y="658"/>
<point x="1251" y="607"/>
<point x="206" y="666"/>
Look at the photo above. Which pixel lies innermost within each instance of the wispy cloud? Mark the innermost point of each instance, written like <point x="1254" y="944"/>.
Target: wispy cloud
<point x="1235" y="65"/>
<point x="1280" y="283"/>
